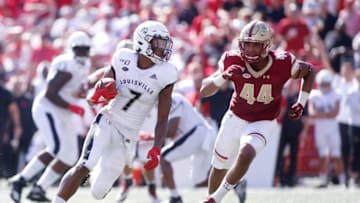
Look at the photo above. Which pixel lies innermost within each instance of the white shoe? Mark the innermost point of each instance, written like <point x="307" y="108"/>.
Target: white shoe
<point x="155" y="200"/>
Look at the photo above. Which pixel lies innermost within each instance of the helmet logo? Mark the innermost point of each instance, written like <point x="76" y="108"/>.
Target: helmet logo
<point x="252" y="29"/>
<point x="144" y="30"/>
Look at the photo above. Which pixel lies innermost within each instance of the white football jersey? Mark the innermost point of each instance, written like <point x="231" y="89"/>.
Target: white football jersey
<point x="138" y="89"/>
<point x="343" y="88"/>
<point x="69" y="91"/>
<point x="324" y="103"/>
<point x="180" y="107"/>
<point x="353" y="102"/>
<point x="190" y="117"/>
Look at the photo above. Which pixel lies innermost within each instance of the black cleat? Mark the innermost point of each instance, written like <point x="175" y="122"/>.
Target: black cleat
<point x="240" y="190"/>
<point x="322" y="185"/>
<point x="175" y="200"/>
<point x="37" y="194"/>
<point x="17" y="183"/>
<point x="357" y="182"/>
<point x="152" y="192"/>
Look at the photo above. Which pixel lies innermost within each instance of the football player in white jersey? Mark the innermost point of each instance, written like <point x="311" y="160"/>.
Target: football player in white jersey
<point x="324" y="105"/>
<point x="143" y="76"/>
<point x="191" y="136"/>
<point x="52" y="112"/>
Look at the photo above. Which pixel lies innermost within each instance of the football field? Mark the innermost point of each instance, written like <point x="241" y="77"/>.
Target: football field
<point x="301" y="194"/>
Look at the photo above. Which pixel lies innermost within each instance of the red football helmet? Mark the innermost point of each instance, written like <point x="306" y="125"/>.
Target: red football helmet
<point x="255" y="40"/>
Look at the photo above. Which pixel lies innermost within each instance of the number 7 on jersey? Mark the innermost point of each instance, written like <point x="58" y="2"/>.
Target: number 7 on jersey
<point x="132" y="100"/>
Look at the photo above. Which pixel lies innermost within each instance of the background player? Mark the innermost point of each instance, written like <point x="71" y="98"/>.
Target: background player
<point x="52" y="113"/>
<point x="324" y="106"/>
<point x="190" y="136"/>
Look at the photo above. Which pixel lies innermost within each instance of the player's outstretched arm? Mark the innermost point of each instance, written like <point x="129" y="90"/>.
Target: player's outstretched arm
<point x="211" y="84"/>
<point x="305" y="71"/>
<point x="164" y="105"/>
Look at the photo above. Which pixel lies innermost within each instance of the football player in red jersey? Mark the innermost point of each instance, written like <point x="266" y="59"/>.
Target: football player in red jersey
<point x="258" y="75"/>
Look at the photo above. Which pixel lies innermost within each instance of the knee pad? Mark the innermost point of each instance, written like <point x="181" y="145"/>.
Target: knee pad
<point x="220" y="162"/>
<point x="257" y="141"/>
<point x="102" y="180"/>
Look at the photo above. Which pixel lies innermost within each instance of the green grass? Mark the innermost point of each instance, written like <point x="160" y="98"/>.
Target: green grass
<point x="301" y="194"/>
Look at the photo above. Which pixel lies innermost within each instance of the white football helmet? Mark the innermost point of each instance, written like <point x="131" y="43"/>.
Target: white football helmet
<point x="323" y="76"/>
<point x="143" y="36"/>
<point x="79" y="42"/>
<point x="78" y="39"/>
<point x="255" y="32"/>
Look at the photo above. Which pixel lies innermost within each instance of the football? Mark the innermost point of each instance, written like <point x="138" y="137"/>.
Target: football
<point x="103" y="82"/>
<point x="106" y="90"/>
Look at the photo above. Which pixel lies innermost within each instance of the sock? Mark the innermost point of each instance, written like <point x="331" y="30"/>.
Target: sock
<point x="224" y="188"/>
<point x="342" y="179"/>
<point x="149" y="182"/>
<point x="174" y="193"/>
<point x="32" y="168"/>
<point x="323" y="178"/>
<point x="58" y="199"/>
<point x="48" y="178"/>
<point x="128" y="176"/>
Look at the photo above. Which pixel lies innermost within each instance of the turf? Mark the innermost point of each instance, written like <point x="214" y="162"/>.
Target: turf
<point x="301" y="194"/>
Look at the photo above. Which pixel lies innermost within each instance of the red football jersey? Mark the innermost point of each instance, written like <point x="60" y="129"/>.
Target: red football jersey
<point x="257" y="94"/>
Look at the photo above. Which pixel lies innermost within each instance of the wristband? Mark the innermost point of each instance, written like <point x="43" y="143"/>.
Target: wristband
<point x="218" y="80"/>
<point x="303" y="97"/>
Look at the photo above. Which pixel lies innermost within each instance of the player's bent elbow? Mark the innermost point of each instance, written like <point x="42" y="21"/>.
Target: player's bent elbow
<point x="311" y="73"/>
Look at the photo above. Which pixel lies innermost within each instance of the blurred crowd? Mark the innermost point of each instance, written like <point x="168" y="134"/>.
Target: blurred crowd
<point x="325" y="33"/>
